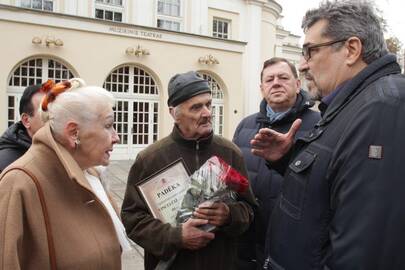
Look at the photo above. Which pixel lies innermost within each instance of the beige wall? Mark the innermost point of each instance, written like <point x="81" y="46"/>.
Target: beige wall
<point x="93" y="48"/>
<point x="94" y="55"/>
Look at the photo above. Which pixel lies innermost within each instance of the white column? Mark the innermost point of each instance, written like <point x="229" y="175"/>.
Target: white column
<point x="83" y="9"/>
<point x="144" y="12"/>
<point x="70" y="7"/>
<point x="199" y="17"/>
<point x="252" y="59"/>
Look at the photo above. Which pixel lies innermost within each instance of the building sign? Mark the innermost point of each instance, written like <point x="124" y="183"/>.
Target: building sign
<point x="135" y="32"/>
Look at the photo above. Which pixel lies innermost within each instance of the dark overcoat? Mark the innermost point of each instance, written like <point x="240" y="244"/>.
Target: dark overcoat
<point x="342" y="201"/>
<point x="266" y="182"/>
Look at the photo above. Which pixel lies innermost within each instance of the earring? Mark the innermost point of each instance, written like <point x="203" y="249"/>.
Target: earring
<point x="77" y="142"/>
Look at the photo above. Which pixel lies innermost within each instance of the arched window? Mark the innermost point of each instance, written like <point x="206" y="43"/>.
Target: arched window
<point x="32" y="71"/>
<point x="137" y="108"/>
<point x="217" y="103"/>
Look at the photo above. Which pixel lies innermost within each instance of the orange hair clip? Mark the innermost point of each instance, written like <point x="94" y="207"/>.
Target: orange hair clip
<point x="46" y="86"/>
<point x="52" y="90"/>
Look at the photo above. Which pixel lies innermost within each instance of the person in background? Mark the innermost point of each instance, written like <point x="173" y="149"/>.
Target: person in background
<point x="85" y="231"/>
<point x="16" y="140"/>
<point x="283" y="102"/>
<point x="309" y="82"/>
<point x="193" y="140"/>
<point x="342" y="201"/>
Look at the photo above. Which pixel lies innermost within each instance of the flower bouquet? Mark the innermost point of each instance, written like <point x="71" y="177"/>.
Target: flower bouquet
<point x="214" y="181"/>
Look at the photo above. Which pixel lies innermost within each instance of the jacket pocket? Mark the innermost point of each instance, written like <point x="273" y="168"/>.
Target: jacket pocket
<point x="293" y="196"/>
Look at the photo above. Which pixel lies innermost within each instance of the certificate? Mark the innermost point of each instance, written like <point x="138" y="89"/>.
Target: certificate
<point x="163" y="192"/>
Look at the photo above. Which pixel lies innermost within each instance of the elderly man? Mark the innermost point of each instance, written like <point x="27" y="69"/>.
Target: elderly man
<point x="16" y="140"/>
<point x="341" y="206"/>
<point x="193" y="140"/>
<point x="282" y="103"/>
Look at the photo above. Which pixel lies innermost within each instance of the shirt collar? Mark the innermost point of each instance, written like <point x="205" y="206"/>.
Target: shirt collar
<point x="327" y="100"/>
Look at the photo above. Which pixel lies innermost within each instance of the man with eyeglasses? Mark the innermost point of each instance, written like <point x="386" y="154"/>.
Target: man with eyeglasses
<point x="341" y="205"/>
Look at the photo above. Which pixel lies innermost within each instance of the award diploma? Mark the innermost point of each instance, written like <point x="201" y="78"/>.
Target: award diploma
<point x="163" y="192"/>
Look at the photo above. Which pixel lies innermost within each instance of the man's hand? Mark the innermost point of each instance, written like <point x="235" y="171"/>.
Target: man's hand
<point x="194" y="238"/>
<point x="272" y="145"/>
<point x="217" y="213"/>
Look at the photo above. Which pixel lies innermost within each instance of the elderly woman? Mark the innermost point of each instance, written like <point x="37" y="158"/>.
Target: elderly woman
<point x="54" y="212"/>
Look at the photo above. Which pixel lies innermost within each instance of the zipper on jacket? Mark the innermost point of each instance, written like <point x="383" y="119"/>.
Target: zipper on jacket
<point x="197" y="159"/>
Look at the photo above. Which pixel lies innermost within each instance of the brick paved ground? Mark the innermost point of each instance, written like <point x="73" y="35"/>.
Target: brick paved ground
<point x="117" y="174"/>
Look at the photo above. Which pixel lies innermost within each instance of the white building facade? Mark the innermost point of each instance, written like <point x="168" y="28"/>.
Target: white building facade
<point x="133" y="48"/>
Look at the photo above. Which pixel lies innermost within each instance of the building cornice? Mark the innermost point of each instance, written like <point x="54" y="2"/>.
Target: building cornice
<point x="72" y="22"/>
<point x="292" y="51"/>
<point x="282" y="31"/>
<point x="292" y="46"/>
<point x="270" y="6"/>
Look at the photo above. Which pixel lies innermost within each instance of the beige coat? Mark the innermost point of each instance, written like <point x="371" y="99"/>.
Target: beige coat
<point x="82" y="229"/>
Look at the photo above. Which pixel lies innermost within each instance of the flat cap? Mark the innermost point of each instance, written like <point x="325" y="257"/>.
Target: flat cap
<point x="185" y="86"/>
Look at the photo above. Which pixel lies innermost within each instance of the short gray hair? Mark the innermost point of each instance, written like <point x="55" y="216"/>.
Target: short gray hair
<point x="80" y="103"/>
<point x="177" y="110"/>
<point x="348" y="18"/>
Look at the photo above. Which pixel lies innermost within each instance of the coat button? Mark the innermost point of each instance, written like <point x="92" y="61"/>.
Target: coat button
<point x="297" y="163"/>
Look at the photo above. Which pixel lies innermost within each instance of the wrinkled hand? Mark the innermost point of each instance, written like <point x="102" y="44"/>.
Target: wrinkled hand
<point x="272" y="145"/>
<point x="194" y="238"/>
<point x="217" y="213"/>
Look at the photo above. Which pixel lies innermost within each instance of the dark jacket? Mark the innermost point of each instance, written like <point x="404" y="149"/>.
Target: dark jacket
<point x="161" y="241"/>
<point x="14" y="142"/>
<point x="342" y="201"/>
<point x="266" y="183"/>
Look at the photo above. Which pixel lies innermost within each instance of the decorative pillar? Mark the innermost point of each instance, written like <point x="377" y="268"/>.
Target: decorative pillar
<point x="252" y="58"/>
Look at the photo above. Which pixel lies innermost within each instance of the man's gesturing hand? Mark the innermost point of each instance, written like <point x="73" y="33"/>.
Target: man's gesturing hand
<point x="272" y="145"/>
<point x="194" y="238"/>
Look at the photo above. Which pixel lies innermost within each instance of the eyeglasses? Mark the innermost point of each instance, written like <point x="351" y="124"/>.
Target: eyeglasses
<point x="307" y="49"/>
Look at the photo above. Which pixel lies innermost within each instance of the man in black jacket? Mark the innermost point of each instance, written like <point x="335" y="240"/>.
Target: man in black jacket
<point x="342" y="201"/>
<point x="16" y="140"/>
<point x="283" y="102"/>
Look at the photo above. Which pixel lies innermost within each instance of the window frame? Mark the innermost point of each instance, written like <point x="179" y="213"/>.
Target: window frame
<point x="218" y="102"/>
<point x="165" y="2"/>
<point x="105" y="2"/>
<point x="168" y="18"/>
<point x="130" y="84"/>
<point x="47" y="66"/>
<point x="217" y="33"/>
<point x="19" y="3"/>
<point x="103" y="6"/>
<point x="172" y="22"/>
